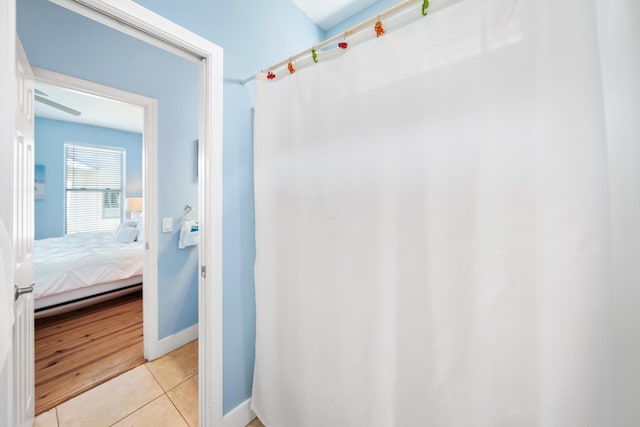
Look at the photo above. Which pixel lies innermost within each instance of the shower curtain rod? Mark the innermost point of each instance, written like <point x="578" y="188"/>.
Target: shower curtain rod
<point x="434" y="6"/>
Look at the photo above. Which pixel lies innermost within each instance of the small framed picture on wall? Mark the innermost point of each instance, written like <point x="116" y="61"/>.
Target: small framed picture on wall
<point x="39" y="178"/>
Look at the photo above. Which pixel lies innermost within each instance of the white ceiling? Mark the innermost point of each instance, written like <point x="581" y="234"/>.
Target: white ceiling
<point x="328" y="13"/>
<point x="96" y="111"/>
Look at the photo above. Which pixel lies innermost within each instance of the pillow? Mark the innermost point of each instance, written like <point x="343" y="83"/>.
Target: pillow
<point x="126" y="234"/>
<point x="127" y="224"/>
<point x="140" y="227"/>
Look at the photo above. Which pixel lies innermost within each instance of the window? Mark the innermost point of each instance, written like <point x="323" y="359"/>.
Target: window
<point x="93" y="188"/>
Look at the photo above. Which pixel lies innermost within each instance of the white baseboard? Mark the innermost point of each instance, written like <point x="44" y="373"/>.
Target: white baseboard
<point x="170" y="343"/>
<point x="239" y="416"/>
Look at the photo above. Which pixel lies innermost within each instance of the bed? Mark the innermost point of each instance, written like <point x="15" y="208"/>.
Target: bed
<point x="81" y="269"/>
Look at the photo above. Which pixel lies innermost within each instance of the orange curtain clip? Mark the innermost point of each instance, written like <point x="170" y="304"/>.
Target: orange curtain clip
<point x="290" y="67"/>
<point x="379" y="29"/>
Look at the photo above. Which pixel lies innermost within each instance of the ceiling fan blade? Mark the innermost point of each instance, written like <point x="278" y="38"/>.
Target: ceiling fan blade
<point x="58" y="106"/>
<point x="39" y="92"/>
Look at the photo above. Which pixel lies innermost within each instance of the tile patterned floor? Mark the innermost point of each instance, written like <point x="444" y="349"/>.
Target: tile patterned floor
<point x="159" y="393"/>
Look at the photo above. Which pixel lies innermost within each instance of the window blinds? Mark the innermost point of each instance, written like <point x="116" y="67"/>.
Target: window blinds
<point x="93" y="188"/>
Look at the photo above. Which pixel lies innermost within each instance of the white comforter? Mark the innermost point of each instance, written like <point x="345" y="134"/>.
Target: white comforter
<point x="71" y="262"/>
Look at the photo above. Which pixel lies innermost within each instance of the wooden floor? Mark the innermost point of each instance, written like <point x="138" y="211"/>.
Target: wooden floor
<point x="77" y="351"/>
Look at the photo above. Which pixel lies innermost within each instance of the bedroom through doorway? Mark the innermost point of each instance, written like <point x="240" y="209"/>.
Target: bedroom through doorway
<point x="89" y="235"/>
<point x="127" y="46"/>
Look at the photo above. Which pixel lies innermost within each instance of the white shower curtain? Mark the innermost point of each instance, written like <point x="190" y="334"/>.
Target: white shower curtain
<point x="439" y="239"/>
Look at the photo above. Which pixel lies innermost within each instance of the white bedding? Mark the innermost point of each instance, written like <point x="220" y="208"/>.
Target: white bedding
<point x="85" y="259"/>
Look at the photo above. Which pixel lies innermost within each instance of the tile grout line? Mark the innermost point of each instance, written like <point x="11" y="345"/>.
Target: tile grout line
<point x="177" y="409"/>
<point x="166" y="392"/>
<point x="137" y="409"/>
<point x="174" y="404"/>
<point x="182" y="382"/>
<point x="146" y="365"/>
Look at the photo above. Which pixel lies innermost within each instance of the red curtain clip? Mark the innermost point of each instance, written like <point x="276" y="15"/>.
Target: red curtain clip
<point x="271" y="76"/>
<point x="343" y="44"/>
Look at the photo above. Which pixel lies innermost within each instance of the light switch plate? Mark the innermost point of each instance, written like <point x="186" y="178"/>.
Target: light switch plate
<point x="167" y="225"/>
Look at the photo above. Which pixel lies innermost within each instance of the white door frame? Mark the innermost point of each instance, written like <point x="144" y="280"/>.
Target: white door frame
<point x="152" y="348"/>
<point x="154" y="29"/>
<point x="7" y="135"/>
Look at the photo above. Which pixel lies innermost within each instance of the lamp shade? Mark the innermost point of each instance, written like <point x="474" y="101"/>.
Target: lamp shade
<point x="134" y="204"/>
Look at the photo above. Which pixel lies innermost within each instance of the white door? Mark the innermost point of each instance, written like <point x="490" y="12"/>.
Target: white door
<point x="7" y="124"/>
<point x="23" y="363"/>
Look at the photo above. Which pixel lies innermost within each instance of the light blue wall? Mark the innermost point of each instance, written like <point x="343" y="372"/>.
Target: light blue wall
<point x="59" y="40"/>
<point x="373" y="10"/>
<point x="254" y="35"/>
<point x="50" y="137"/>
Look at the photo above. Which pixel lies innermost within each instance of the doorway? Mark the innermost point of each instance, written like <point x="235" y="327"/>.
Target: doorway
<point x="89" y="274"/>
<point x="149" y="107"/>
<point x="147" y="26"/>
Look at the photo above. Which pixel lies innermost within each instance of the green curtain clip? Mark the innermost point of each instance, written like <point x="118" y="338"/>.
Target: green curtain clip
<point x="315" y="55"/>
<point x="425" y="6"/>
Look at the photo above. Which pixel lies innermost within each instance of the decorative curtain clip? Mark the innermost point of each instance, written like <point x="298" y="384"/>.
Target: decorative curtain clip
<point x="290" y="67"/>
<point x="314" y="54"/>
<point x="425" y="6"/>
<point x="270" y="75"/>
<point x="343" y="44"/>
<point x="379" y="29"/>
